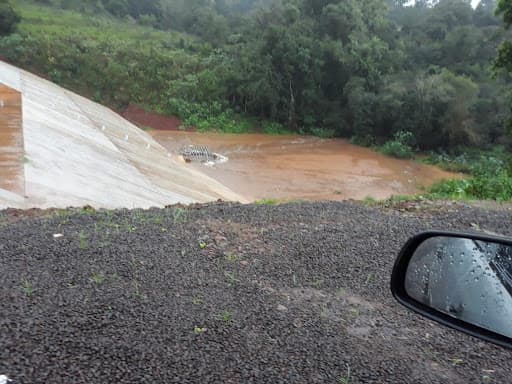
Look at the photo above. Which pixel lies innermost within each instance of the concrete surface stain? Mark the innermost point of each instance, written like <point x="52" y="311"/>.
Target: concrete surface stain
<point x="300" y="167"/>
<point x="11" y="141"/>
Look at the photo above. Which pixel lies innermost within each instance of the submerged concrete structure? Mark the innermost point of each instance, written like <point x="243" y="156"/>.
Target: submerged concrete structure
<point x="58" y="149"/>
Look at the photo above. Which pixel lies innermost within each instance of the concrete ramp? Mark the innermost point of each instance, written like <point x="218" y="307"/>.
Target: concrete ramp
<point x="74" y="152"/>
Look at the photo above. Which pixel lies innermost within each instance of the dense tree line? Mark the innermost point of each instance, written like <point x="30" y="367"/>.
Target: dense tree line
<point x="367" y="69"/>
<point x="8" y="18"/>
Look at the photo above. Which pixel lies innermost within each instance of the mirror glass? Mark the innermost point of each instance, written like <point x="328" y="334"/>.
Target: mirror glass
<point x="468" y="279"/>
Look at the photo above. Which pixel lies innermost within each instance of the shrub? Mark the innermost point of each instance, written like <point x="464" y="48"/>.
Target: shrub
<point x="274" y="128"/>
<point x="363" y="141"/>
<point x="400" y="146"/>
<point x="480" y="188"/>
<point x="323" y="132"/>
<point x="8" y="18"/>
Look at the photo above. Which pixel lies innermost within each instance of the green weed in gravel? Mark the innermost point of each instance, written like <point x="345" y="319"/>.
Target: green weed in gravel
<point x="199" y="330"/>
<point x="97" y="278"/>
<point x="225" y="316"/>
<point x="179" y="215"/>
<point x="28" y="289"/>
<point x="232" y="257"/>
<point x="83" y="240"/>
<point x="266" y="202"/>
<point x="345" y="379"/>
<point x="231" y="278"/>
<point x="136" y="290"/>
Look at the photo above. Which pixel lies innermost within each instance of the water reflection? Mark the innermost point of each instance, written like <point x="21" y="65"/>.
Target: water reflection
<point x="467" y="279"/>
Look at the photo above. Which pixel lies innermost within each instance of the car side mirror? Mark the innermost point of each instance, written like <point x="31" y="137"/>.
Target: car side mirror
<point x="463" y="281"/>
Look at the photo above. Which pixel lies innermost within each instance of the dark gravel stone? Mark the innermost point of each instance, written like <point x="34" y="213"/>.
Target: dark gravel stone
<point x="227" y="293"/>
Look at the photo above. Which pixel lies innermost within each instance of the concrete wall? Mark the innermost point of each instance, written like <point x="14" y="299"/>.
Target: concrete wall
<point x="12" y="175"/>
<point x="78" y="152"/>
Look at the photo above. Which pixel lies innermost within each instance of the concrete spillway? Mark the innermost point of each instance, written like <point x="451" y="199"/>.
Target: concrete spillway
<point x="58" y="149"/>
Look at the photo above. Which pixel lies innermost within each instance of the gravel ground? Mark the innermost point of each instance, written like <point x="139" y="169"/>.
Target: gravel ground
<point x="228" y="293"/>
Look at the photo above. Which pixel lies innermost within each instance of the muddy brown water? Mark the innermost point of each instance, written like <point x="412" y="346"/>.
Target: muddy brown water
<point x="302" y="167"/>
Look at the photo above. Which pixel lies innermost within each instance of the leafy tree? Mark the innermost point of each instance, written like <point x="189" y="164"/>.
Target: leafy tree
<point x="8" y="18"/>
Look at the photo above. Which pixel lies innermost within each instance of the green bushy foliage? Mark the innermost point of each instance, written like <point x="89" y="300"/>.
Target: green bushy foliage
<point x="491" y="176"/>
<point x="9" y="18"/>
<point x="363" y="140"/>
<point x="400" y="146"/>
<point x="274" y="128"/>
<point x="208" y="116"/>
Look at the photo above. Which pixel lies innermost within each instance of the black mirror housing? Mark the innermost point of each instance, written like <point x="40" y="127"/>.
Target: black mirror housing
<point x="399" y="291"/>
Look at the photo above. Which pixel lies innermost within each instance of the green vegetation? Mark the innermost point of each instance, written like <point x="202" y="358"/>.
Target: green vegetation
<point x="179" y="215"/>
<point x="225" y="316"/>
<point x="28" y="289"/>
<point x="9" y="18"/>
<point x="83" y="240"/>
<point x="400" y="146"/>
<point x="98" y="278"/>
<point x="231" y="278"/>
<point x="396" y="77"/>
<point x="199" y="330"/>
<point x="365" y="69"/>
<point x="490" y="175"/>
<point x="232" y="258"/>
<point x="345" y="379"/>
<point x="267" y="202"/>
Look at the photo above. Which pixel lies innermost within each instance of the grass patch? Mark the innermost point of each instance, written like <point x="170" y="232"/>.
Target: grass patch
<point x="267" y="202"/>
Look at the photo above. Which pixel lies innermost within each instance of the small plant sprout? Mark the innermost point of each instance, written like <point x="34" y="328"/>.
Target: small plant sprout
<point x="456" y="361"/>
<point x="196" y="300"/>
<point x="231" y="278"/>
<point x="82" y="237"/>
<point x="136" y="288"/>
<point x="345" y="379"/>
<point x="202" y="245"/>
<point x="199" y="330"/>
<point x="179" y="215"/>
<point x="97" y="278"/>
<point x="28" y="289"/>
<point x="224" y="316"/>
<point x="317" y="283"/>
<point x="232" y="258"/>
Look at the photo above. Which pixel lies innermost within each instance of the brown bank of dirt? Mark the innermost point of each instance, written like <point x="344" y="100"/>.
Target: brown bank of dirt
<point x="304" y="167"/>
<point x="146" y="119"/>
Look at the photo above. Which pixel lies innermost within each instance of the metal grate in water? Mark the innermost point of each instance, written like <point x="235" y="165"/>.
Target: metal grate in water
<point x="197" y="153"/>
